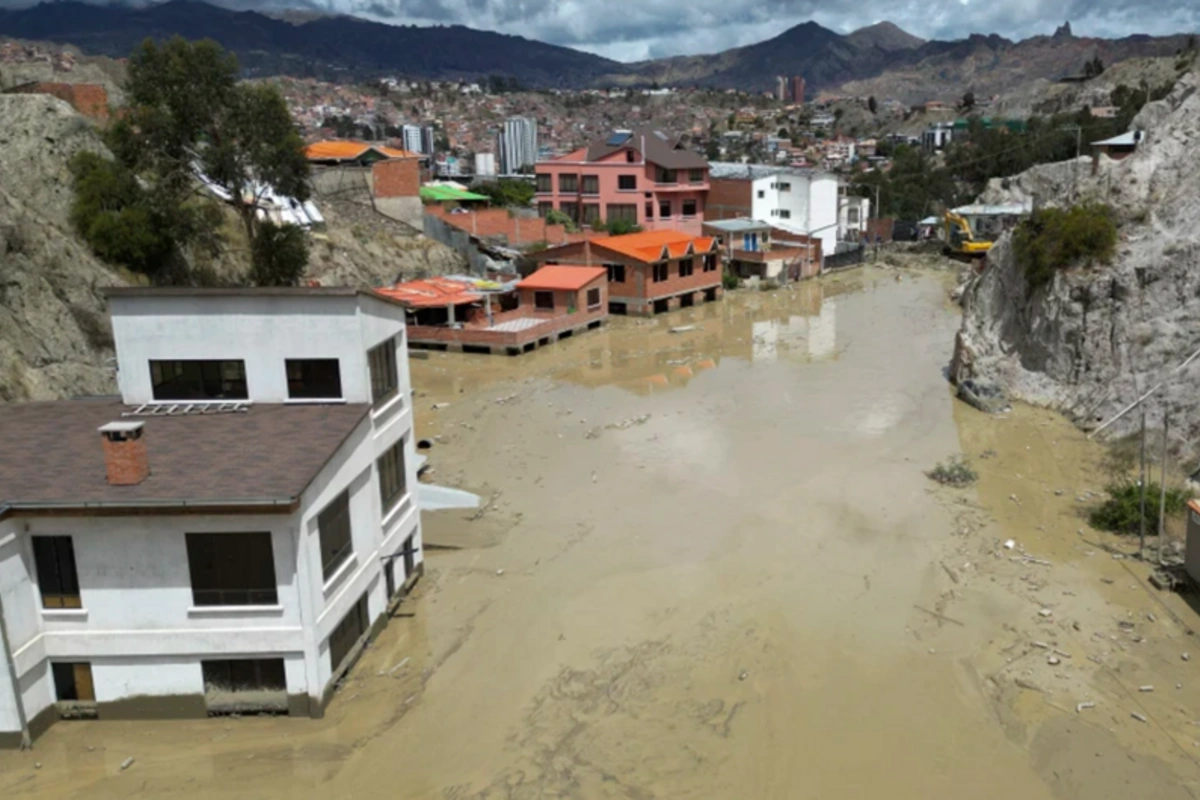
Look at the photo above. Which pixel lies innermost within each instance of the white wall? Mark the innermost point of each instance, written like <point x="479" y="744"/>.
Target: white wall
<point x="264" y="331"/>
<point x="811" y="203"/>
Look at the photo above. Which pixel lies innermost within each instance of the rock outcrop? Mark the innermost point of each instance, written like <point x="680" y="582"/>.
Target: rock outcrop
<point x="1095" y="338"/>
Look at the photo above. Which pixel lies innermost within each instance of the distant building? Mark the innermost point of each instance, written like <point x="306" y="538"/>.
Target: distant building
<point x="781" y="88"/>
<point x="937" y="136"/>
<point x="347" y="152"/>
<point x="853" y="214"/>
<point x="642" y="176"/>
<point x="517" y="145"/>
<point x="1116" y="148"/>
<point x="1105" y="112"/>
<point x="485" y="164"/>
<point x="418" y="138"/>
<point x="796" y="89"/>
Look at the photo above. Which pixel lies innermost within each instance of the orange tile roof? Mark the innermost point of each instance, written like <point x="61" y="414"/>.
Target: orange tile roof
<point x="564" y="279"/>
<point x="432" y="293"/>
<point x="349" y="150"/>
<point x="650" y="245"/>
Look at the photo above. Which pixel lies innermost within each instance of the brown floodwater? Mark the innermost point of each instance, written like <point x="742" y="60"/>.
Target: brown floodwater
<point x="711" y="566"/>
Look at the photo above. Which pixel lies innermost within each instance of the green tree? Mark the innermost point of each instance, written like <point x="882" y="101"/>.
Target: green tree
<point x="872" y="105"/>
<point x="507" y="192"/>
<point x="1055" y="238"/>
<point x="188" y="114"/>
<point x="968" y="101"/>
<point x="278" y="255"/>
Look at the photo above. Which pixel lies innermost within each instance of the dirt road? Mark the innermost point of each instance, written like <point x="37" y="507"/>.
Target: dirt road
<point x="711" y="567"/>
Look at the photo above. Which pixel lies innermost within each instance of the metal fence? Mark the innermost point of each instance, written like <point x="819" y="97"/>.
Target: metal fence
<point x="847" y="258"/>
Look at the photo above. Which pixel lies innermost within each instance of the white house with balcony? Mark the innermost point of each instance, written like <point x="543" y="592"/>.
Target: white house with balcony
<point x="794" y="199"/>
<point x="224" y="535"/>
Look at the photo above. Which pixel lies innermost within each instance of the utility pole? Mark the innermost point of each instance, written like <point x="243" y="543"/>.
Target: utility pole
<point x="1162" y="490"/>
<point x="1142" y="485"/>
<point x="1075" y="164"/>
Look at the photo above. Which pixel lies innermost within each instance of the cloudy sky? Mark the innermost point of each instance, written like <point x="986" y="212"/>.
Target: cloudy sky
<point x="630" y="30"/>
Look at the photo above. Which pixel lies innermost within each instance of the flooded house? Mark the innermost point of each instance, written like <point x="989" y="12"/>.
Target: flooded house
<point x="470" y="315"/>
<point x="649" y="272"/>
<point x="756" y="249"/>
<point x="223" y="535"/>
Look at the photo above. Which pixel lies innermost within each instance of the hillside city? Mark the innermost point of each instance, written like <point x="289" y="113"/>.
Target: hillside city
<point x="382" y="422"/>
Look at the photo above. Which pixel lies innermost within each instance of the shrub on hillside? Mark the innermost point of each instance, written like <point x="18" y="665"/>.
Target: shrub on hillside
<point x="1121" y="512"/>
<point x="279" y="254"/>
<point x="1057" y="238"/>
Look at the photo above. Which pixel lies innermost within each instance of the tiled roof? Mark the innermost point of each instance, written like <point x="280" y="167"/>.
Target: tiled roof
<point x="269" y="453"/>
<point x="349" y="150"/>
<point x="567" y="279"/>
<point x="432" y="293"/>
<point x="657" y="147"/>
<point x="650" y="246"/>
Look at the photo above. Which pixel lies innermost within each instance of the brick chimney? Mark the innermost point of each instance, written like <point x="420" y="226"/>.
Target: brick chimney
<point x="125" y="460"/>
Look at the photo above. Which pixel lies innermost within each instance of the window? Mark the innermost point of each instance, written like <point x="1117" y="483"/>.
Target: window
<point x="591" y="213"/>
<point x="591" y="184"/>
<point x="333" y="527"/>
<point x="852" y="216"/>
<point x="689" y="208"/>
<point x="695" y="176"/>
<point x="621" y="212"/>
<point x="665" y="175"/>
<point x="785" y="187"/>
<point x="616" y="273"/>
<point x="571" y="210"/>
<point x="568" y="183"/>
<point x="244" y="675"/>
<point x="629" y="156"/>
<point x="198" y="380"/>
<point x="543" y="300"/>
<point x="54" y="557"/>
<point x="686" y="267"/>
<point x="785" y="213"/>
<point x="232" y="569"/>
<point x="710" y="262"/>
<point x="593" y="298"/>
<point x="347" y="633"/>
<point x="649" y="209"/>
<point x="73" y="682"/>
<point x="664" y="209"/>
<point x="660" y="271"/>
<point x="545" y="208"/>
<point x="627" y="183"/>
<point x="545" y="183"/>
<point x="761" y="194"/>
<point x="382" y="360"/>
<point x="393" y="481"/>
<point x="314" y="378"/>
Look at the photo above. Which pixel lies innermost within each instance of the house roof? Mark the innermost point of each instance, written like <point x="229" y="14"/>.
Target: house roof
<point x="739" y="225"/>
<point x="432" y="293"/>
<point x="350" y="150"/>
<point x="728" y="170"/>
<point x="569" y="279"/>
<point x="1130" y="139"/>
<point x="265" y="455"/>
<point x="660" y="148"/>
<point x="155" y="292"/>
<point x="650" y="246"/>
<point x="442" y="193"/>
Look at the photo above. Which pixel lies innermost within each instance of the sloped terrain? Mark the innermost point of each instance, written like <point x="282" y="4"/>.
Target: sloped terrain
<point x="1093" y="340"/>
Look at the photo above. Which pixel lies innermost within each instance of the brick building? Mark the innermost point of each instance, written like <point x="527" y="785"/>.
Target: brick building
<point x="89" y="99"/>
<point x="649" y="272"/>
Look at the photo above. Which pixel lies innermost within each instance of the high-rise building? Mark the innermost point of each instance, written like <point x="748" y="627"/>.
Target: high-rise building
<point x="796" y="89"/>
<point x="418" y="138"/>
<point x="518" y="144"/>
<point x="781" y="88"/>
<point x="427" y="140"/>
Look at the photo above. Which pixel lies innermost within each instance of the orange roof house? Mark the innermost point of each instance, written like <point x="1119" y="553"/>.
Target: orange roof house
<point x="343" y="151"/>
<point x="648" y="272"/>
<point x="562" y="279"/>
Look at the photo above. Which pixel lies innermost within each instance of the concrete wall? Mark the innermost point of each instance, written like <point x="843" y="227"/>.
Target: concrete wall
<point x="811" y="204"/>
<point x="262" y="331"/>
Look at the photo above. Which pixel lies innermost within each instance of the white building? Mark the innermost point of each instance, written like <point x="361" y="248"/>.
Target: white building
<point x="937" y="136"/>
<point x="485" y="164"/>
<point x="224" y="535"/>
<point x="418" y="138"/>
<point x="794" y="199"/>
<point x="518" y="145"/>
<point x="852" y="218"/>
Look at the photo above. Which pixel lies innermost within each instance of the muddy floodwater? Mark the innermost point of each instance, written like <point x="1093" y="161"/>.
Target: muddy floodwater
<point x="710" y="565"/>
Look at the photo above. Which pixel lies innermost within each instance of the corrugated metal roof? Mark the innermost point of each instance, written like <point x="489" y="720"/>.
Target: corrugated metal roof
<point x="442" y="193"/>
<point x="740" y="225"/>
<point x="1130" y="139"/>
<point x="733" y="171"/>
<point x="994" y="210"/>
<point x="432" y="293"/>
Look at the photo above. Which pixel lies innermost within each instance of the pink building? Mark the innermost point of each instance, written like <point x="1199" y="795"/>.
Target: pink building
<point x="640" y="176"/>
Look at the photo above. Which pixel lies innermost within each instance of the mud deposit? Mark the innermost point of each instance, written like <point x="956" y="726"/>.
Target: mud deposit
<point x="710" y="566"/>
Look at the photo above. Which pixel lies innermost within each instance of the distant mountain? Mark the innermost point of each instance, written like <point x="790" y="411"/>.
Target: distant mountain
<point x="881" y="59"/>
<point x="328" y="47"/>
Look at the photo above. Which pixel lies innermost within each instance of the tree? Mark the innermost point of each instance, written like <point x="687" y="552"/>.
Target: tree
<point x="872" y="106"/>
<point x="278" y="255"/>
<point x="187" y="114"/>
<point x="968" y="101"/>
<point x="507" y="192"/>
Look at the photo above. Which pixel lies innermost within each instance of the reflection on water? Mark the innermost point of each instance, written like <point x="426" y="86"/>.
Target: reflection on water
<point x="644" y="356"/>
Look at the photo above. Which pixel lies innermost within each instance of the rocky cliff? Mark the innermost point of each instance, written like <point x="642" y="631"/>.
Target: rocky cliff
<point x="55" y="337"/>
<point x="1094" y="339"/>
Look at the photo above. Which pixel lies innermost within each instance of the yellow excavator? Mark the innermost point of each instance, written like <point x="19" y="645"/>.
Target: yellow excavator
<point x="959" y="241"/>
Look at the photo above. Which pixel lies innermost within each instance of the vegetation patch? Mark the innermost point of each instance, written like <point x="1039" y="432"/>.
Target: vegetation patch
<point x="1122" y="511"/>
<point x="955" y="472"/>
<point x="1057" y="238"/>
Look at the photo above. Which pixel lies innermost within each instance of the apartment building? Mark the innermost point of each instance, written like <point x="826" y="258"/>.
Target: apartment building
<point x="517" y="144"/>
<point x="221" y="537"/>
<point x="793" y="199"/>
<point x="649" y="272"/>
<point x="642" y="176"/>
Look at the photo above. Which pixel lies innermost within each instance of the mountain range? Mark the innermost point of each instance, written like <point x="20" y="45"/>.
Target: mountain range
<point x="348" y="48"/>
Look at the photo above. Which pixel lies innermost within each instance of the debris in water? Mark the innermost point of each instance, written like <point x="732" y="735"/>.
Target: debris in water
<point x="1152" y="618"/>
<point x="1138" y="717"/>
<point x="1053" y="660"/>
<point x="1027" y="684"/>
<point x="683" y="329"/>
<point x="1185" y="656"/>
<point x="506" y="399"/>
<point x="127" y="763"/>
<point x="1146" y="688"/>
<point x="743" y="675"/>
<point x="1045" y="612"/>
<point x="499" y="572"/>
<point x="1086" y="704"/>
<point x="398" y="666"/>
<point x="439" y="406"/>
<point x="1010" y="544"/>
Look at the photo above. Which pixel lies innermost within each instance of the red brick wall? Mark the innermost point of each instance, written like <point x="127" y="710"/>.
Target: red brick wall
<point x="564" y="300"/>
<point x="488" y="222"/>
<point x="125" y="462"/>
<point x="89" y="99"/>
<point x="674" y="284"/>
<point x="396" y="177"/>
<point x="727" y="199"/>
